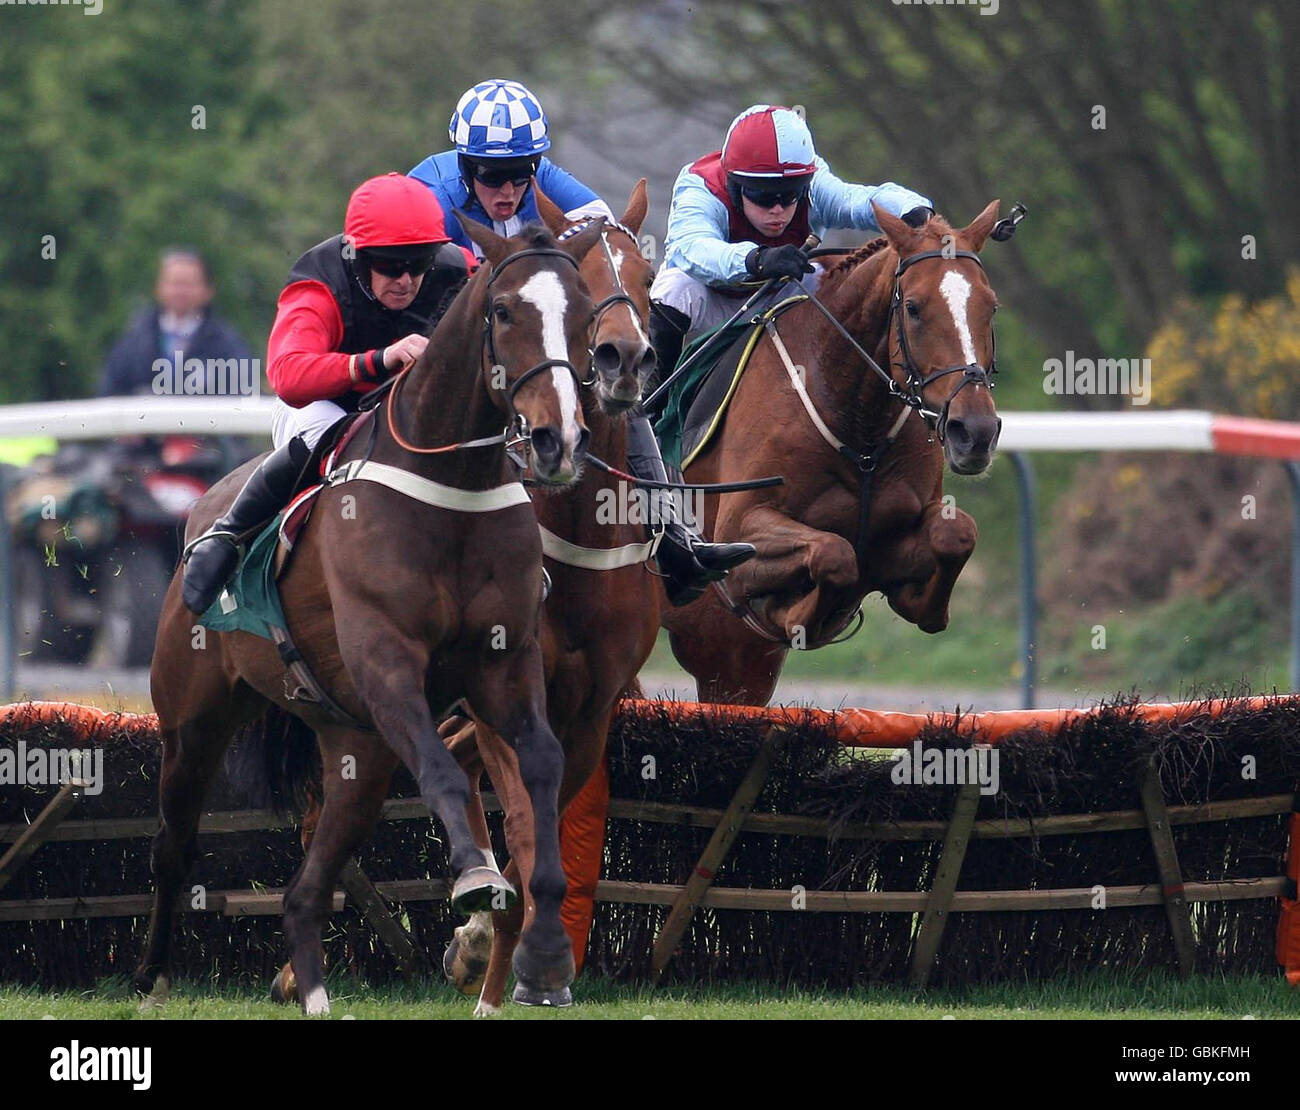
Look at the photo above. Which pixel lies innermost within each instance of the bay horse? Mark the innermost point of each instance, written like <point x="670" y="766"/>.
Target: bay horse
<point x="415" y="585"/>
<point x="601" y="618"/>
<point x="861" y="508"/>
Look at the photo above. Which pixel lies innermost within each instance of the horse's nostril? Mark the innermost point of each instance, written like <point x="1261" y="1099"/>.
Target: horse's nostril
<point x="580" y="450"/>
<point x="957" y="433"/>
<point x="606" y="359"/>
<point x="647" y="362"/>
<point x="547" y="446"/>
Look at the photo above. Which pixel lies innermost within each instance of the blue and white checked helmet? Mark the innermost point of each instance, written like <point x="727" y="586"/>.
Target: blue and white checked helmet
<point x="499" y="119"/>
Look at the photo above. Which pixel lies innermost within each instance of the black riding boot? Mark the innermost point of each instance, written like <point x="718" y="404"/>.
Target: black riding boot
<point x="688" y="563"/>
<point x="212" y="559"/>
<point x="668" y="328"/>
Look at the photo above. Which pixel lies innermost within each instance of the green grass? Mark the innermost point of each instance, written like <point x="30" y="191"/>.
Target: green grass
<point x="1096" y="995"/>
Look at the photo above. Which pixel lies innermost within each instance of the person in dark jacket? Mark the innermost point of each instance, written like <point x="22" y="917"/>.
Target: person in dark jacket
<point x="180" y="326"/>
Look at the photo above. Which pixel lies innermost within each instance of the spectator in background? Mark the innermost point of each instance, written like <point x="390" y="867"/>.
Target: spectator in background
<point x="182" y="320"/>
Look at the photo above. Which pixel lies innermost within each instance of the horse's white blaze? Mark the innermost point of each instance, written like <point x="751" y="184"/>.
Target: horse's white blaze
<point x="956" y="291"/>
<point x="636" y="320"/>
<point x="545" y="292"/>
<point x="317" y="1001"/>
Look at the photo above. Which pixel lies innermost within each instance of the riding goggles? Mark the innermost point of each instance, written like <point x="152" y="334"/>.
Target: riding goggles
<point x="767" y="197"/>
<point x="392" y="266"/>
<point x="495" y="176"/>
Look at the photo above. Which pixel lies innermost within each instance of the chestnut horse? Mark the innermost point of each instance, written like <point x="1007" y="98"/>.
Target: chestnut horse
<point x="862" y="505"/>
<point x="416" y="584"/>
<point x="602" y="615"/>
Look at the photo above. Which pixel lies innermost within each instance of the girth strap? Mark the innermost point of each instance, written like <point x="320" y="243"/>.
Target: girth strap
<point x="430" y="492"/>
<point x="597" y="558"/>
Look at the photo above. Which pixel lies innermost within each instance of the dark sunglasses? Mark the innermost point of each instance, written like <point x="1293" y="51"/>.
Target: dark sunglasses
<point x="494" y="177"/>
<point x="396" y="267"/>
<point x="767" y="198"/>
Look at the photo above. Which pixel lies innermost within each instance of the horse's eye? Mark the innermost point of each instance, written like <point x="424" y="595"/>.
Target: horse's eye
<point x="913" y="310"/>
<point x="501" y="313"/>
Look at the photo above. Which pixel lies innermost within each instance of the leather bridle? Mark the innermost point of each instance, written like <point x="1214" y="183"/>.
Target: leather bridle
<point x="971" y="373"/>
<point x="518" y="430"/>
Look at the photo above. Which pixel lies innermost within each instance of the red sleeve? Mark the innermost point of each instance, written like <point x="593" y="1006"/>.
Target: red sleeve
<point x="303" y="360"/>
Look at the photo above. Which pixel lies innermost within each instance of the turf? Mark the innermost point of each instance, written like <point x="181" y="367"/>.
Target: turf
<point x="1098" y="995"/>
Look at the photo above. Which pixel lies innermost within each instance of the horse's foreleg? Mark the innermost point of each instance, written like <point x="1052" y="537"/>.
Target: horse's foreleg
<point x="928" y="562"/>
<point x="352" y="805"/>
<point x="527" y="777"/>
<point x="465" y="959"/>
<point x="388" y="669"/>
<point x="792" y="557"/>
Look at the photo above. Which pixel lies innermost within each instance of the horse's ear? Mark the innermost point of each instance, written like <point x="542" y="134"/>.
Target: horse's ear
<point x="638" y="204"/>
<point x="578" y="245"/>
<point x="489" y="242"/>
<point x="899" y="234"/>
<point x="978" y="229"/>
<point x="555" y="220"/>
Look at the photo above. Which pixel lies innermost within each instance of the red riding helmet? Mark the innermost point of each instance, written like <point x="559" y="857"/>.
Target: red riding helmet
<point x="393" y="211"/>
<point x="766" y="142"/>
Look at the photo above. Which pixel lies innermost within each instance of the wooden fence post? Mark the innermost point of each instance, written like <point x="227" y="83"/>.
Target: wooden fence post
<point x="1171" y="875"/>
<point x="715" y="852"/>
<point x="939" y="903"/>
<point x="371" y="904"/>
<point x="39" y="830"/>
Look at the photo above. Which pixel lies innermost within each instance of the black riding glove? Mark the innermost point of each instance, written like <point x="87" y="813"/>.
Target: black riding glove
<point x="917" y="217"/>
<point x="770" y="262"/>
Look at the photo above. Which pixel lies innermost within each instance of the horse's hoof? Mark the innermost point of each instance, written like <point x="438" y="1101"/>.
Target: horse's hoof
<point x="526" y="996"/>
<point x="486" y="1010"/>
<point x="464" y="968"/>
<point x="481" y="889"/>
<point x="317" y="1003"/>
<point x="157" y="997"/>
<point x="284" y="987"/>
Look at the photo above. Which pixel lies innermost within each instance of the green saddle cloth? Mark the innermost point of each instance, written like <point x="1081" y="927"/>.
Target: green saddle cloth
<point x="671" y="422"/>
<point x="251" y="603"/>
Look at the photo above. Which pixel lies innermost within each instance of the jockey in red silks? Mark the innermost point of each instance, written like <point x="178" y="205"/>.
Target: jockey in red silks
<point x="743" y="214"/>
<point x="356" y="308"/>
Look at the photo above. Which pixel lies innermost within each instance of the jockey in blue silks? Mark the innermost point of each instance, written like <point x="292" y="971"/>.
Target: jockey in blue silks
<point x="500" y="136"/>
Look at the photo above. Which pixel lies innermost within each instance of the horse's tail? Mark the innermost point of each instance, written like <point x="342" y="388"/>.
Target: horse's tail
<point x="275" y="763"/>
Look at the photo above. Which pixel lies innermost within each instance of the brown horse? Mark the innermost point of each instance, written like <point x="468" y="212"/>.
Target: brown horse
<point x="416" y="584"/>
<point x="861" y="508"/>
<point x="601" y="618"/>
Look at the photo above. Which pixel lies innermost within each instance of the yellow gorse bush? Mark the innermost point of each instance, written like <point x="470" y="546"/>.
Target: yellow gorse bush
<point x="1243" y="359"/>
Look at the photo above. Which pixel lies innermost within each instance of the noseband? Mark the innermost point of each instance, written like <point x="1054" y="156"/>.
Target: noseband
<point x="971" y="373"/>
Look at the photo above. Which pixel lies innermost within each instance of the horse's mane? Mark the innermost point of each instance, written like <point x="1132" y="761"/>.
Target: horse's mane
<point x="851" y="261"/>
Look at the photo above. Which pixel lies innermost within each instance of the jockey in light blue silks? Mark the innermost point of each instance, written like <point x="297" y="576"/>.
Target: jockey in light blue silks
<point x="500" y="136"/>
<point x="744" y="212"/>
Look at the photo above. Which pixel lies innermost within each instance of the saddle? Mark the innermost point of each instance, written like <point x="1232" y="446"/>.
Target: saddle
<point x="696" y="404"/>
<point x="251" y="603"/>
